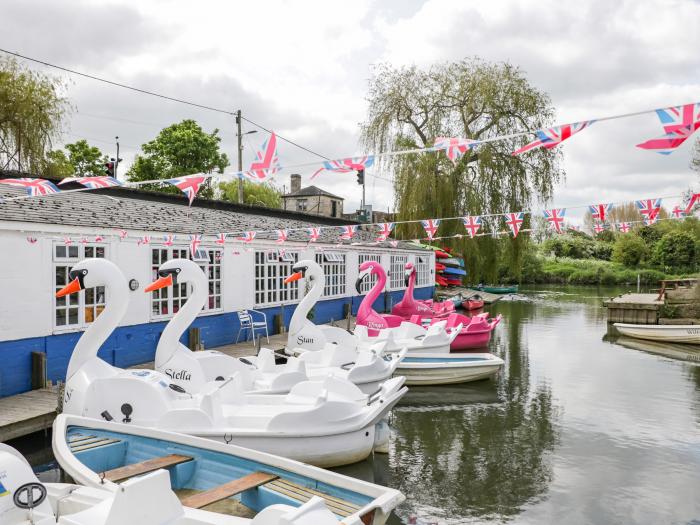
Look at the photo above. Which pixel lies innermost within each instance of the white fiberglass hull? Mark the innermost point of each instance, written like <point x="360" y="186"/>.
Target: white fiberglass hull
<point x="435" y="369"/>
<point x="669" y="333"/>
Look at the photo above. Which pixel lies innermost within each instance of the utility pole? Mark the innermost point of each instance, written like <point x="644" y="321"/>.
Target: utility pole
<point x="240" y="157"/>
<point x="116" y="162"/>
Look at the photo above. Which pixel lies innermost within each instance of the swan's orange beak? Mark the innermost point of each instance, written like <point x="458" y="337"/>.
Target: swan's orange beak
<point x="71" y="287"/>
<point x="161" y="282"/>
<point x="294" y="277"/>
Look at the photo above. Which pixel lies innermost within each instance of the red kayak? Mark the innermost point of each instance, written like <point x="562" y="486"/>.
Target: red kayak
<point x="471" y="304"/>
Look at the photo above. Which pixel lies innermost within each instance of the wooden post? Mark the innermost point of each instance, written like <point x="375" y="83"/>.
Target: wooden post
<point x="38" y="370"/>
<point x="195" y="339"/>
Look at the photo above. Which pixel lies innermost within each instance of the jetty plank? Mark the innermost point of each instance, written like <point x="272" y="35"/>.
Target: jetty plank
<point x="27" y="413"/>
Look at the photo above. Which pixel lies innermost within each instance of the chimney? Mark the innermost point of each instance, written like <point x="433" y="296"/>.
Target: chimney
<point x="295" y="183"/>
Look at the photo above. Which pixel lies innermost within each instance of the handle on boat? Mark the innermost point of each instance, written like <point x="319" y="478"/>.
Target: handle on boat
<point x="27" y="491"/>
<point x="246" y="362"/>
<point x="374" y="396"/>
<point x="347" y="366"/>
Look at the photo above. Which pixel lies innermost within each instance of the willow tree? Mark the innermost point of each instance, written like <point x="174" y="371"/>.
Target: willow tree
<point x="410" y="107"/>
<point x="32" y="109"/>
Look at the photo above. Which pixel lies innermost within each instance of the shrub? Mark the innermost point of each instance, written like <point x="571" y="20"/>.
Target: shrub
<point x="676" y="251"/>
<point x="629" y="250"/>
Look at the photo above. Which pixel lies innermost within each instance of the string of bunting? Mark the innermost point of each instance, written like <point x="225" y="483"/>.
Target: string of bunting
<point x="678" y="124"/>
<point x="649" y="210"/>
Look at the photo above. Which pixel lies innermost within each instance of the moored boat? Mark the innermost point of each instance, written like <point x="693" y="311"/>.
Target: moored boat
<point x="473" y="303"/>
<point x="443" y="369"/>
<point x="202" y="472"/>
<point x="689" y="334"/>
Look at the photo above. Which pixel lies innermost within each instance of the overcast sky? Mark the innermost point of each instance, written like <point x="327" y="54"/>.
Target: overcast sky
<point x="301" y="68"/>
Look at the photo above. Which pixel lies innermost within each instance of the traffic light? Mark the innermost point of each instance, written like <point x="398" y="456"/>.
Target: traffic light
<point x="109" y="168"/>
<point x="361" y="177"/>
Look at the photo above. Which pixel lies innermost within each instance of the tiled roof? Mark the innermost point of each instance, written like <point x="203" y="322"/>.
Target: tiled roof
<point x="159" y="212"/>
<point x="311" y="191"/>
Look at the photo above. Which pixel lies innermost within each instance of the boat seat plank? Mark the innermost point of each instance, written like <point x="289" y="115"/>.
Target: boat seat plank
<point x="301" y="494"/>
<point x="93" y="444"/>
<point x="144" y="467"/>
<point x="79" y="437"/>
<point x="222" y="492"/>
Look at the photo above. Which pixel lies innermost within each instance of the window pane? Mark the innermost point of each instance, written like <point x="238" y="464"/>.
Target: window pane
<point x="60" y="251"/>
<point x="72" y="252"/>
<point x="72" y="316"/>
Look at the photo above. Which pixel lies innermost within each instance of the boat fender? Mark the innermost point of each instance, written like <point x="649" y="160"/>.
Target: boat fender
<point x="127" y="410"/>
<point x="28" y="491"/>
<point x="107" y="416"/>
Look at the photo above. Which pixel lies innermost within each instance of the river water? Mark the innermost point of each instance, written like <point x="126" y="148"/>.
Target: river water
<point x="579" y="427"/>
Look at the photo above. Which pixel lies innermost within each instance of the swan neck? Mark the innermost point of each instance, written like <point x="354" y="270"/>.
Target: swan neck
<point x="304" y="307"/>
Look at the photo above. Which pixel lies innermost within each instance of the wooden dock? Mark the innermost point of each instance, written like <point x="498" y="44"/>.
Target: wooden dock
<point x="466" y="293"/>
<point x="27" y="413"/>
<point x="634" y="308"/>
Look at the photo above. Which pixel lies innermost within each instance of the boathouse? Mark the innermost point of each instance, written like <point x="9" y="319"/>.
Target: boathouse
<point x="41" y="238"/>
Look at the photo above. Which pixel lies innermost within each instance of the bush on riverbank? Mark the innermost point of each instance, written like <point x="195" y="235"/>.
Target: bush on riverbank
<point x="565" y="270"/>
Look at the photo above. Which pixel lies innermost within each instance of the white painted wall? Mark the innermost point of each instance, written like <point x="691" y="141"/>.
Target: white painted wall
<point x="26" y="273"/>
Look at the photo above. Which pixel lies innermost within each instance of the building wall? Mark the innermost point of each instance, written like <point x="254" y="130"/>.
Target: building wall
<point x="27" y="304"/>
<point x="316" y="205"/>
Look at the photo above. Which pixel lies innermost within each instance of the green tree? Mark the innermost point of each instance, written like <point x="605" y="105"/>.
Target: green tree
<point x="57" y="165"/>
<point x="262" y="194"/>
<point x="32" y="110"/>
<point x="629" y="250"/>
<point x="695" y="162"/>
<point x="87" y="161"/>
<point x="676" y="251"/>
<point x="411" y="107"/>
<point x="180" y="149"/>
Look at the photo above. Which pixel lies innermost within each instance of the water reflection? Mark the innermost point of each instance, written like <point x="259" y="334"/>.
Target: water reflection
<point x="480" y="450"/>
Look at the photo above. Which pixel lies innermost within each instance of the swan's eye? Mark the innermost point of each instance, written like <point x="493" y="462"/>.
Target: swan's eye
<point x="177" y="270"/>
<point x="84" y="272"/>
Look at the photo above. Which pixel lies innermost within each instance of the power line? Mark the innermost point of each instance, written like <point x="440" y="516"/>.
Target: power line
<point x="158" y="95"/>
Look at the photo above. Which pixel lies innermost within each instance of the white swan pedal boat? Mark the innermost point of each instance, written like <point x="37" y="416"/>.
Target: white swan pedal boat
<point x="144" y="500"/>
<point x="261" y="375"/>
<point x="689" y="334"/>
<point x="325" y="423"/>
<point x="205" y="474"/>
<point x="444" y="369"/>
<point x="305" y="336"/>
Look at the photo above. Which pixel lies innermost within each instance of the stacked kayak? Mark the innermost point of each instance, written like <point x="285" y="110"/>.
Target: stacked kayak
<point x="449" y="270"/>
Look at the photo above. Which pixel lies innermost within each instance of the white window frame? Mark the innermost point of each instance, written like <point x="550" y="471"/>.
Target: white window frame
<point x="271" y="268"/>
<point x="212" y="268"/>
<point x="397" y="267"/>
<point x="77" y="300"/>
<point x="334" y="266"/>
<point x="369" y="282"/>
<point x="424" y="275"/>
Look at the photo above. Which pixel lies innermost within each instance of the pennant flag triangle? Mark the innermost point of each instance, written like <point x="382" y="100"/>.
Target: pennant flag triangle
<point x="555" y="217"/>
<point x="552" y="137"/>
<point x="514" y="222"/>
<point x="189" y="185"/>
<point x="346" y="165"/>
<point x="266" y="160"/>
<point x="33" y="187"/>
<point x="472" y="223"/>
<point x="679" y="123"/>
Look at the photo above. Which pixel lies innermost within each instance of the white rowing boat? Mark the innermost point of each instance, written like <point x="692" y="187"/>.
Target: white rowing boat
<point x="445" y="369"/>
<point x="660" y="332"/>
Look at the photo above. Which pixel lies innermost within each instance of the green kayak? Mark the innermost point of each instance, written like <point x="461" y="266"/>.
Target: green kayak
<point x="498" y="289"/>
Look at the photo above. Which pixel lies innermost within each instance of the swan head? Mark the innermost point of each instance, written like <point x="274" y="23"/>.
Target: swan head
<point x="408" y="270"/>
<point x="368" y="268"/>
<point x="306" y="268"/>
<point x="175" y="271"/>
<point x="89" y="273"/>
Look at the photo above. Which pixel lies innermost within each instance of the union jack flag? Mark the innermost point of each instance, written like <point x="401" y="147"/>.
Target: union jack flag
<point x="32" y="240"/>
<point x="33" y="187"/>
<point x="146" y="239"/>
<point x="346" y="165"/>
<point x="555" y="217"/>
<point x="122" y="234"/>
<point x="348" y="232"/>
<point x="678" y="212"/>
<point x="514" y="222"/>
<point x="649" y="208"/>
<point x="599" y="227"/>
<point x="679" y="123"/>
<point x="624" y="227"/>
<point x="168" y="240"/>
<point x="472" y="223"/>
<point x="93" y="183"/>
<point x="454" y="147"/>
<point x="689" y="208"/>
<point x="599" y="211"/>
<point x="195" y="241"/>
<point x="552" y="137"/>
<point x="385" y="230"/>
<point x="574" y="228"/>
<point x="83" y="240"/>
<point x="99" y="238"/>
<point x="220" y="239"/>
<point x="248" y="236"/>
<point x="314" y="234"/>
<point x="266" y="160"/>
<point x="431" y="227"/>
<point x="281" y="236"/>
<point x="67" y="241"/>
<point x="189" y="185"/>
<point x="393" y="244"/>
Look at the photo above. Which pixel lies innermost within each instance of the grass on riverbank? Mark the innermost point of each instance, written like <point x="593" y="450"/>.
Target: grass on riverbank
<point x="563" y="270"/>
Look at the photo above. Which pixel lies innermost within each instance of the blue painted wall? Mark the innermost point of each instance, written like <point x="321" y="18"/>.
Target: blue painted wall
<point x="136" y="344"/>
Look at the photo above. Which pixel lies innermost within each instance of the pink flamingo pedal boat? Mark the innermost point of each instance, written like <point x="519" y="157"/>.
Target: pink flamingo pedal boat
<point x="475" y="331"/>
<point x="410" y="306"/>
